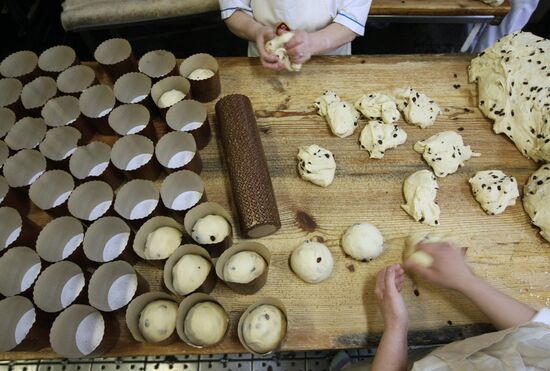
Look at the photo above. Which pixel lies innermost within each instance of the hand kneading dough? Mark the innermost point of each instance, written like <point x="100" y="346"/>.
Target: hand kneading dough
<point x="421" y="258"/>
<point x="378" y="137"/>
<point x="420" y="190"/>
<point x="444" y="152"/>
<point x="276" y="46"/>
<point x="200" y="74"/>
<point x="513" y="79"/>
<point x="316" y="164"/>
<point x="341" y="116"/>
<point x="244" y="267"/>
<point x="378" y="106"/>
<point x="161" y="243"/>
<point x="157" y="321"/>
<point x="211" y="229"/>
<point x="312" y="262"/>
<point x="494" y="190"/>
<point x="363" y="242"/>
<point x="264" y="328"/>
<point x="189" y="273"/>
<point x="206" y="324"/>
<point x="416" y="107"/>
<point x="169" y="98"/>
<point x="536" y="200"/>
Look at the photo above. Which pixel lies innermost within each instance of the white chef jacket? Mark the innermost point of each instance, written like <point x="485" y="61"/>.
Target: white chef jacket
<point x="304" y="15"/>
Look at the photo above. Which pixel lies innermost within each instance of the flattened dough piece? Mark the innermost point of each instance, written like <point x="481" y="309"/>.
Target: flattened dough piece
<point x="445" y="152"/>
<point x="341" y="116"/>
<point x="416" y="107"/>
<point x="420" y="190"/>
<point x="378" y="106"/>
<point x="494" y="190"/>
<point x="493" y="2"/>
<point x="378" y="137"/>
<point x="536" y="199"/>
<point x="316" y="165"/>
<point x="276" y="46"/>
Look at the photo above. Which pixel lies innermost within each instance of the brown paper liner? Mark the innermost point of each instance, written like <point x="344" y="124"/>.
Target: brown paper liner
<point x="173" y="143"/>
<point x="13" y="198"/>
<point x="7" y="120"/>
<point x="132" y="87"/>
<point x="98" y="238"/>
<point x="270" y="301"/>
<point x="132" y="118"/>
<point x="22" y="65"/>
<point x="189" y="111"/>
<point x="185" y="307"/>
<point x="127" y="148"/>
<point x="64" y="111"/>
<point x="202" y="210"/>
<point x="167" y="84"/>
<point x="59" y="144"/>
<point x="26" y="133"/>
<point x="158" y="64"/>
<point x="203" y="90"/>
<point x="74" y="80"/>
<point x="251" y="185"/>
<point x="56" y="59"/>
<point x="209" y="283"/>
<point x="133" y="194"/>
<point x="256" y="284"/>
<point x="16" y="229"/>
<point x="133" y="313"/>
<point x="87" y="158"/>
<point x="36" y="93"/>
<point x="149" y="226"/>
<point x="23" y="168"/>
<point x="19" y="265"/>
<point x="10" y="96"/>
<point x="89" y="195"/>
<point x="60" y="239"/>
<point x="64" y="330"/>
<point x="177" y="184"/>
<point x="116" y="57"/>
<point x="48" y="188"/>
<point x="95" y="103"/>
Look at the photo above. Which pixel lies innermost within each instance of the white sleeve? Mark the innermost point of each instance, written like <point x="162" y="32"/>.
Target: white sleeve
<point x="353" y="15"/>
<point x="228" y="7"/>
<point x="543" y="316"/>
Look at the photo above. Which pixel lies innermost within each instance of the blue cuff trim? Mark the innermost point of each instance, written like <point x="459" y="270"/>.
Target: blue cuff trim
<point x="351" y="19"/>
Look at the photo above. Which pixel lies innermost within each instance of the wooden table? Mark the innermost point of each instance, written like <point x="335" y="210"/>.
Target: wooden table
<point x="441" y="8"/>
<point x="341" y="312"/>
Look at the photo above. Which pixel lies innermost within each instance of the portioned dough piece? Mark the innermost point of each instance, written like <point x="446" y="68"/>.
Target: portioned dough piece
<point x="264" y="328"/>
<point x="161" y="243"/>
<point x="312" y="262"/>
<point x="157" y="321"/>
<point x="170" y="97"/>
<point x="494" y="190"/>
<point x="189" y="273"/>
<point x="206" y="323"/>
<point x="536" y="199"/>
<point x="378" y="137"/>
<point x="316" y="164"/>
<point x="493" y="2"/>
<point x="210" y="229"/>
<point x="276" y="46"/>
<point x="416" y="107"/>
<point x="363" y="241"/>
<point x="420" y="190"/>
<point x="244" y="267"/>
<point x="410" y="252"/>
<point x="444" y="152"/>
<point x="378" y="106"/>
<point x="201" y="74"/>
<point x="341" y="116"/>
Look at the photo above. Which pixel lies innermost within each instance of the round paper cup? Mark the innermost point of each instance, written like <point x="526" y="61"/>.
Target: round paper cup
<point x="60" y="239"/>
<point x="203" y="90"/>
<point x="36" y="93"/>
<point x="148" y="227"/>
<point x="190" y="116"/>
<point x="134" y="156"/>
<point x="132" y="87"/>
<point x="167" y="84"/>
<point x="18" y="323"/>
<point x="51" y="191"/>
<point x="23" y="168"/>
<point x="16" y="229"/>
<point x="158" y="64"/>
<point x="185" y="307"/>
<point x="26" y="133"/>
<point x="136" y="201"/>
<point x="209" y="283"/>
<point x="21" y="65"/>
<point x="106" y="239"/>
<point x="116" y="58"/>
<point x="93" y="161"/>
<point x="64" y="111"/>
<point x="59" y="285"/>
<point x="130" y="119"/>
<point x="91" y="200"/>
<point x="13" y="198"/>
<point x="74" y="80"/>
<point x="7" y="120"/>
<point x="177" y="150"/>
<point x="19" y="267"/>
<point x="56" y="59"/>
<point x="95" y="103"/>
<point x="10" y="96"/>
<point x="59" y="145"/>
<point x="202" y="210"/>
<point x="182" y="190"/>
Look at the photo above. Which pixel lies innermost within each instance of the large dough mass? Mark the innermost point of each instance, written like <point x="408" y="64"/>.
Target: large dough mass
<point x="341" y="116"/>
<point x="316" y="164"/>
<point x="536" y="199"/>
<point x="420" y="191"/>
<point x="377" y="138"/>
<point x="494" y="190"/>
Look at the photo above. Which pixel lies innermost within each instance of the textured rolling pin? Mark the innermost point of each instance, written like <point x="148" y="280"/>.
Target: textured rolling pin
<point x="244" y="155"/>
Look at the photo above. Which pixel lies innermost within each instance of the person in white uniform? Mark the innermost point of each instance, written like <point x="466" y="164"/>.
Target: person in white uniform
<point x="320" y="26"/>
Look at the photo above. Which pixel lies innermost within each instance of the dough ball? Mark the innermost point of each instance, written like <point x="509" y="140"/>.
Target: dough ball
<point x="341" y="116"/>
<point x="264" y="328"/>
<point x="420" y="190"/>
<point x="157" y="321"/>
<point x="445" y="152"/>
<point x="422" y="258"/>
<point x="276" y="46"/>
<point x="363" y="242"/>
<point x="378" y="137"/>
<point x="244" y="267"/>
<point x="378" y="106"/>
<point x="316" y="164"/>
<point x="200" y="74"/>
<point x="170" y="97"/>
<point x="161" y="243"/>
<point x="494" y="190"/>
<point x="536" y="199"/>
<point x="210" y="229"/>
<point x="416" y="107"/>
<point x="206" y="323"/>
<point x="189" y="273"/>
<point x="312" y="262"/>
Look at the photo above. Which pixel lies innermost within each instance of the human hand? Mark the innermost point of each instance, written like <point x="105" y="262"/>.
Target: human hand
<point x="300" y="48"/>
<point x="263" y="35"/>
<point x="389" y="282"/>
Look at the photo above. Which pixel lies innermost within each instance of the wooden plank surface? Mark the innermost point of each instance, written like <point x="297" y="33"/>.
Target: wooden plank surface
<point x="437" y="8"/>
<point x="341" y="312"/>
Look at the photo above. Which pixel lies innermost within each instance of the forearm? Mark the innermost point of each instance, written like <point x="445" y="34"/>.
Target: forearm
<point x="391" y="354"/>
<point x="243" y="25"/>
<point x="331" y="37"/>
